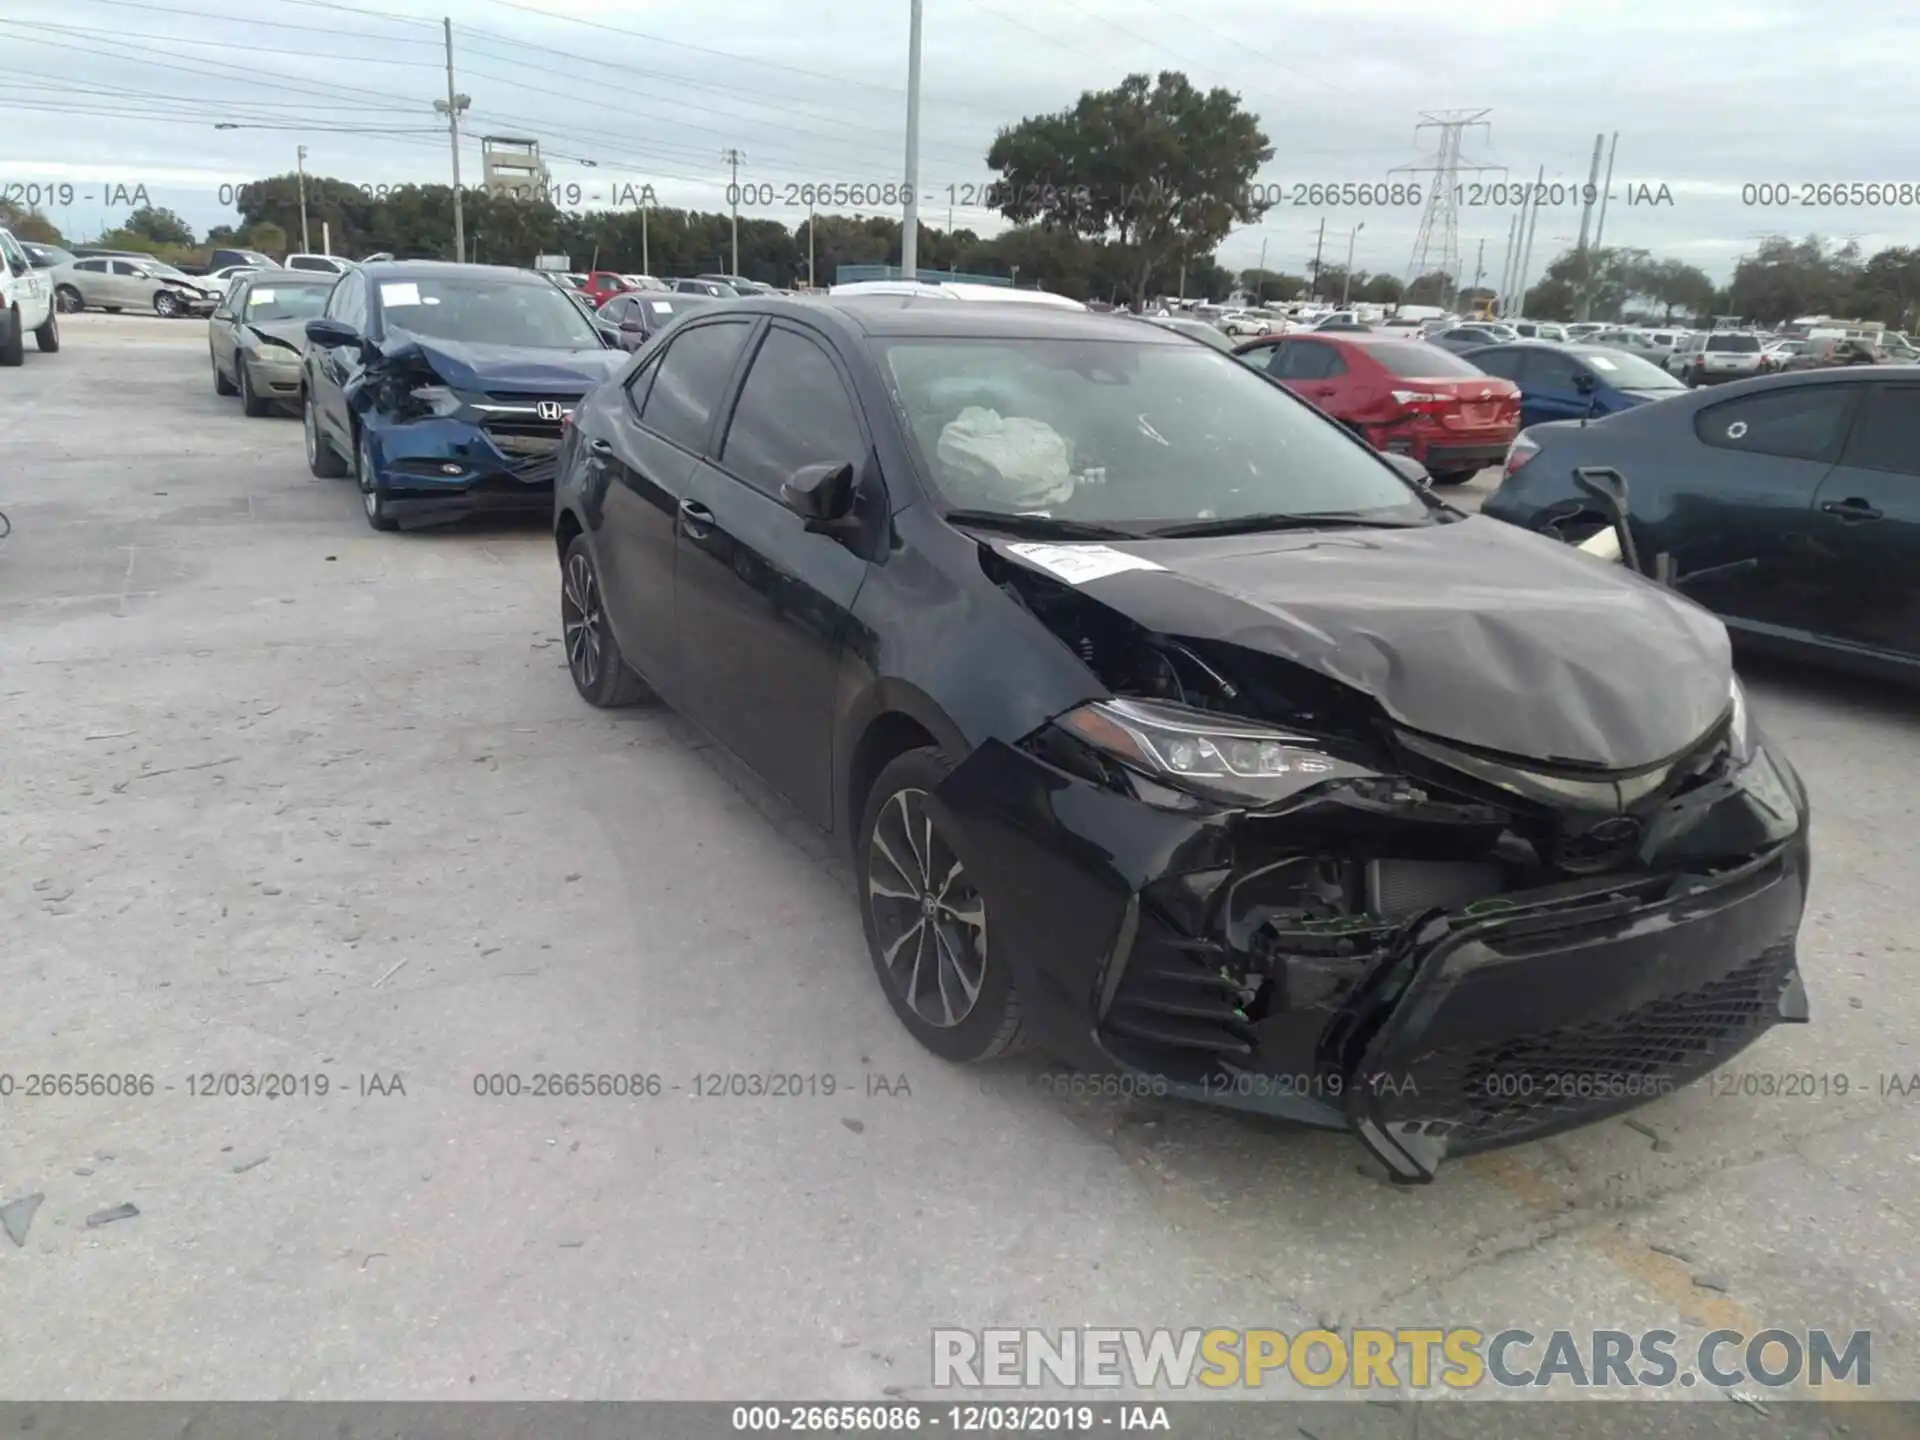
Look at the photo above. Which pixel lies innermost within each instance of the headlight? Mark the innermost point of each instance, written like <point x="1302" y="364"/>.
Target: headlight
<point x="438" y="400"/>
<point x="1214" y="752"/>
<point x="1740" y="728"/>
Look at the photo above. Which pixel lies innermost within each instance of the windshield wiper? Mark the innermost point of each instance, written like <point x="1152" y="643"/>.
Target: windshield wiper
<point x="1040" y="525"/>
<point x="1249" y="524"/>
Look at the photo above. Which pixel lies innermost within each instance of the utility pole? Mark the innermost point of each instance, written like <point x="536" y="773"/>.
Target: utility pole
<point x="1440" y="222"/>
<point x="1506" y="263"/>
<point x="1600" y="223"/>
<point x="1346" y="280"/>
<point x="451" y="107"/>
<point x="1581" y="254"/>
<point x="1530" y="219"/>
<point x="733" y="158"/>
<point x="809" y="245"/>
<point x="1318" y="246"/>
<point x="910" y="221"/>
<point x="300" y="162"/>
<point x="646" y="261"/>
<point x="1479" y="268"/>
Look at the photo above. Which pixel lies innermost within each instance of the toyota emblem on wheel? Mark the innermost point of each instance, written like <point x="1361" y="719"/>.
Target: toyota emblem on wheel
<point x="551" y="410"/>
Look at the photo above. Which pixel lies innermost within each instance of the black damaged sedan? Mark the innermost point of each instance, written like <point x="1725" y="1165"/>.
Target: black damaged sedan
<point x="1177" y="731"/>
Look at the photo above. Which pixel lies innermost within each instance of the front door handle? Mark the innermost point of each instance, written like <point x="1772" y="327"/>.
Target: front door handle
<point x="601" y="447"/>
<point x="695" y="518"/>
<point x="1852" y="508"/>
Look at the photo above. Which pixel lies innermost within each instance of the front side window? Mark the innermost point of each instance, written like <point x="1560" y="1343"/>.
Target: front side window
<point x="794" y="411"/>
<point x="1114" y="432"/>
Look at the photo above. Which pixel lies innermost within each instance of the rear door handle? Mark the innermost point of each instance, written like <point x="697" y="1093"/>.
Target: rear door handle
<point x="1852" y="508"/>
<point x="695" y="518"/>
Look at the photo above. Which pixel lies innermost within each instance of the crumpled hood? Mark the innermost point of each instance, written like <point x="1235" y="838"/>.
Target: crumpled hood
<point x="1475" y="632"/>
<point x="466" y="365"/>
<point x="288" y="332"/>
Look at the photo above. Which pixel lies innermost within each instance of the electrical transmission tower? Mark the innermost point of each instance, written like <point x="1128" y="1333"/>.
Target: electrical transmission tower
<point x="1439" y="238"/>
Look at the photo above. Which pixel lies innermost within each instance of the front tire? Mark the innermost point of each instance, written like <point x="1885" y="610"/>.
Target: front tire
<point x="221" y="384"/>
<point x="47" y="334"/>
<point x="926" y="923"/>
<point x="166" y="305"/>
<point x="1453" y="477"/>
<point x="250" y="401"/>
<point x="13" y="343"/>
<point x="600" y="672"/>
<point x="68" y="299"/>
<point x="322" y="459"/>
<point x="373" y="494"/>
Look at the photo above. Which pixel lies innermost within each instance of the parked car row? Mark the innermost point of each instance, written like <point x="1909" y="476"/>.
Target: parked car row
<point x="1162" y="713"/>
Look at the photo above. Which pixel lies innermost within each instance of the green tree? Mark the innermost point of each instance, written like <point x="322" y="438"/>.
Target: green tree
<point x="1436" y="287"/>
<point x="28" y="223"/>
<point x="161" y="226"/>
<point x="1161" y="168"/>
<point x="1380" y="290"/>
<point x="1271" y="287"/>
<point x="268" y="238"/>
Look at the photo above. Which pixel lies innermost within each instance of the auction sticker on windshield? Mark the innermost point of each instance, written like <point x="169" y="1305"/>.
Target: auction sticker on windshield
<point x="1077" y="564"/>
<point x="260" y="297"/>
<point x="400" y="292"/>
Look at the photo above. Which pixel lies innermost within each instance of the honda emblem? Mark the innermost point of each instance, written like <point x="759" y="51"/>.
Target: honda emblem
<point x="551" y="410"/>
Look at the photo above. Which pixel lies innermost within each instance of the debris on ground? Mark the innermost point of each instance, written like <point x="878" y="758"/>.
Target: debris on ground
<point x="16" y="1217"/>
<point x="107" y="1217"/>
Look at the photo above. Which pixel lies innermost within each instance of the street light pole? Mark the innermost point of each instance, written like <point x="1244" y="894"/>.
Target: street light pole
<point x="646" y="261"/>
<point x="1346" y="283"/>
<point x="910" y="221"/>
<point x="809" y="245"/>
<point x="300" y="162"/>
<point x="733" y="159"/>
<point x="452" y="106"/>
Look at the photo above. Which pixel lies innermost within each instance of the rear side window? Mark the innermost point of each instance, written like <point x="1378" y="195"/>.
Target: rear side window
<point x="1422" y="362"/>
<point x="691" y="381"/>
<point x="1733" y="344"/>
<point x="1803" y="423"/>
<point x="1503" y="363"/>
<point x="1306" y="360"/>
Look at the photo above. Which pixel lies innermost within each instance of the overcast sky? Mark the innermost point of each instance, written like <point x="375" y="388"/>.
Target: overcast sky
<point x="1706" y="96"/>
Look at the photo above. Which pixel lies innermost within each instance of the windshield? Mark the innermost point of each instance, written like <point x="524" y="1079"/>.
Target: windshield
<point x="1117" y="431"/>
<point x="1630" y="372"/>
<point x="488" y="311"/>
<point x="288" y="300"/>
<point x="1738" y="344"/>
<point x="1426" y="362"/>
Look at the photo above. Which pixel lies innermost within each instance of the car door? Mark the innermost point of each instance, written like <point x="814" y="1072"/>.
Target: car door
<point x="332" y="368"/>
<point x="126" y="285"/>
<point x="33" y="290"/>
<point x="1741" y="508"/>
<point x="761" y="601"/>
<point x="672" y="403"/>
<point x="1865" y="528"/>
<point x="1549" y="387"/>
<point x="223" y="328"/>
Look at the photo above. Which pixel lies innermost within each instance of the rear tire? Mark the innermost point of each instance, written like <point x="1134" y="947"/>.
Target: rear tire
<point x="322" y="459"/>
<point x="47" y="335"/>
<point x="1453" y="477"/>
<point x="915" y="908"/>
<point x="600" y="672"/>
<point x="13" y="343"/>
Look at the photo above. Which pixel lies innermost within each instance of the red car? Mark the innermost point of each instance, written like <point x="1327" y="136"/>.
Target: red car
<point x="1399" y="394"/>
<point x="602" y="286"/>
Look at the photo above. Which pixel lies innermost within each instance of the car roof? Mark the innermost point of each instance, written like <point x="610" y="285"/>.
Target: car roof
<point x="446" y="269"/>
<point x="887" y="316"/>
<point x="954" y="290"/>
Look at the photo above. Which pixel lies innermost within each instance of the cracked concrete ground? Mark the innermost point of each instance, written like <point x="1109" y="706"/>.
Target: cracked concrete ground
<point x="285" y="796"/>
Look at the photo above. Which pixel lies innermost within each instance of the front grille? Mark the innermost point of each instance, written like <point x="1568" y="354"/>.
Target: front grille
<point x="530" y="397"/>
<point x="1498" y="1092"/>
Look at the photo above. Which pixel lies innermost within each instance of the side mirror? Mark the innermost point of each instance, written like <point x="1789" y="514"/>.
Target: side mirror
<point x="331" y="334"/>
<point x="1410" y="469"/>
<point x="820" y="494"/>
<point x="1584" y="383"/>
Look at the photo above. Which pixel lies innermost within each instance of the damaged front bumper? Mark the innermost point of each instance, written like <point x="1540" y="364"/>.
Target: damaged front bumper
<point x="1144" y="935"/>
<point x="446" y="468"/>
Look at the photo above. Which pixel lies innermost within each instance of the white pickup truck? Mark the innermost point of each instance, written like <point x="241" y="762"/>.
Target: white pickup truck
<point x="26" y="303"/>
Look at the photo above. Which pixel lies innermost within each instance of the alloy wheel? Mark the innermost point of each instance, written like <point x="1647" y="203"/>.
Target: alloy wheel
<point x="369" y="482"/>
<point x="582" y="622"/>
<point x="930" y="920"/>
<point x="310" y="427"/>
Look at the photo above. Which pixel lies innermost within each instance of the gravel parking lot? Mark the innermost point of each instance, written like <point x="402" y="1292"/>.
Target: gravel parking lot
<point x="283" y="796"/>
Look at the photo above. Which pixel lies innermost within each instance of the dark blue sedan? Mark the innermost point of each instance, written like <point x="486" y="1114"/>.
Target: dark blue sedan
<point x="1567" y="382"/>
